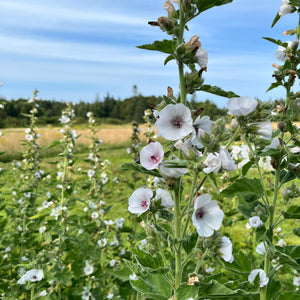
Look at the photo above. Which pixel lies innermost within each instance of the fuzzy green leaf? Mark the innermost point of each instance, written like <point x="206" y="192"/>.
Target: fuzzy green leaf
<point x="169" y="58"/>
<point x="139" y="168"/>
<point x="246" y="167"/>
<point x="217" y="91"/>
<point x="240" y="265"/>
<point x="185" y="292"/>
<point x="276" y="19"/>
<point x="277" y="42"/>
<point x="274" y="85"/>
<point x="165" y="46"/>
<point x="203" y="5"/>
<point x="293" y="212"/>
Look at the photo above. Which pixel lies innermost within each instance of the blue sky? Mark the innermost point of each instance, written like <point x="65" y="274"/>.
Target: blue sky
<point x="71" y="49"/>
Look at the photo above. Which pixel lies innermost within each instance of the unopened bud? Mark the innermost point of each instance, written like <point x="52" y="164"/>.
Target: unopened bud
<point x="170" y="93"/>
<point x="276" y="66"/>
<point x="281" y="126"/>
<point x="192" y="280"/>
<point x="166" y="24"/>
<point x="292" y="72"/>
<point x="289" y="32"/>
<point x="234" y="124"/>
<point x="176" y="1"/>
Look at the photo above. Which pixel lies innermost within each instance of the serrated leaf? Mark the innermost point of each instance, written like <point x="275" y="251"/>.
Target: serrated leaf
<point x="165" y="46"/>
<point x="244" y="185"/>
<point x="217" y="91"/>
<point x="277" y="42"/>
<point x="241" y="263"/>
<point x="293" y="212"/>
<point x="274" y="85"/>
<point x="189" y="242"/>
<point x="203" y="5"/>
<point x="168" y="59"/>
<point x="139" y="168"/>
<point x="185" y="292"/>
<point x="246" y="208"/>
<point x="54" y="144"/>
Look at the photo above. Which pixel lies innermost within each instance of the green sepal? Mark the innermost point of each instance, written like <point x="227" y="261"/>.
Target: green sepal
<point x="217" y="91"/>
<point x="165" y="46"/>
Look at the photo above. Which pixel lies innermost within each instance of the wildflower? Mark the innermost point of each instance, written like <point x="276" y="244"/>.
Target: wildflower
<point x="165" y="197"/>
<point x="64" y="119"/>
<point x="42" y="293"/>
<point x="209" y="270"/>
<point x="280" y="243"/>
<point x="261" y="249"/>
<point x="200" y="126"/>
<point x="226" y="249"/>
<point x="139" y="201"/>
<point x="86" y="294"/>
<point x="102" y="242"/>
<point x="122" y="252"/>
<point x="112" y="262"/>
<point x="42" y="229"/>
<point x="133" y="277"/>
<point x="108" y="222"/>
<point x="152" y="155"/>
<point x="115" y="242"/>
<point x="110" y="296"/>
<point x="207" y="216"/>
<point x="280" y="52"/>
<point x="116" y="180"/>
<point x="174" y="122"/>
<point x="213" y="163"/>
<point x="119" y="222"/>
<point x="192" y="280"/>
<point x="255" y="222"/>
<point x="94" y="215"/>
<point x="143" y="243"/>
<point x="31" y="275"/>
<point x="180" y="145"/>
<point x="29" y="137"/>
<point x="90" y="173"/>
<point x="88" y="269"/>
<point x="241" y="106"/>
<point x="263" y="279"/>
<point x="226" y="161"/>
<point x="264" y="129"/>
<point x="285" y="8"/>
<point x="201" y="57"/>
<point x="296" y="281"/>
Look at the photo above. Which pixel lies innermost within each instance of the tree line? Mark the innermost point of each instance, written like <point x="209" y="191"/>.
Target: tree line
<point x="108" y="110"/>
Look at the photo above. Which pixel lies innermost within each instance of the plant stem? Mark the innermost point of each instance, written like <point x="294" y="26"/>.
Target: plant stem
<point x="177" y="220"/>
<point x="233" y="137"/>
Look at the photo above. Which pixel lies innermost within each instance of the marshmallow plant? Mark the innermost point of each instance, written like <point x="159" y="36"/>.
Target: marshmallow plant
<point x="185" y="227"/>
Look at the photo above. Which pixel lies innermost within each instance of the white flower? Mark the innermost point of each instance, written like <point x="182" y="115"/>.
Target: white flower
<point x="274" y="144"/>
<point x="201" y="57"/>
<point x="255" y="222"/>
<point x="213" y="163"/>
<point x="91" y="173"/>
<point x="64" y="119"/>
<point x="209" y="270"/>
<point x="133" y="277"/>
<point x="139" y="201"/>
<point x="263" y="279"/>
<point x="108" y="222"/>
<point x="285" y="8"/>
<point x="88" y="269"/>
<point x="200" y="126"/>
<point x="152" y="155"/>
<point x="173" y="172"/>
<point x="42" y="229"/>
<point x="122" y="252"/>
<point x="31" y="275"/>
<point x="264" y="129"/>
<point x="261" y="249"/>
<point x="280" y="243"/>
<point x="102" y="242"/>
<point x="112" y="262"/>
<point x="280" y="52"/>
<point x="119" y="222"/>
<point x="241" y="106"/>
<point x="110" y="296"/>
<point x="42" y="293"/>
<point x="296" y="281"/>
<point x="174" y="122"/>
<point x="94" y="215"/>
<point x="29" y="137"/>
<point x="165" y="197"/>
<point x="226" y="160"/>
<point x="226" y="249"/>
<point x="207" y="216"/>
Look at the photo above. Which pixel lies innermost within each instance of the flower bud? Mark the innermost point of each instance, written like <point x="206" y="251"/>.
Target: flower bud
<point x="193" y="44"/>
<point x="281" y="126"/>
<point x="166" y="24"/>
<point x="234" y="124"/>
<point x="168" y="6"/>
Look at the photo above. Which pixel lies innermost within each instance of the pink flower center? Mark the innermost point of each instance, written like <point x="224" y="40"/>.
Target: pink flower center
<point x="154" y="158"/>
<point x="200" y="213"/>
<point x="144" y="204"/>
<point x="177" y="123"/>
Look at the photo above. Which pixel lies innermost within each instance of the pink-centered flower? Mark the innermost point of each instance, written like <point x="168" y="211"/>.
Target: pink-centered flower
<point x="31" y="275"/>
<point x="152" y="155"/>
<point x="174" y="122"/>
<point x="241" y="106"/>
<point x="213" y="163"/>
<point x="139" y="201"/>
<point x="165" y="197"/>
<point x="207" y="216"/>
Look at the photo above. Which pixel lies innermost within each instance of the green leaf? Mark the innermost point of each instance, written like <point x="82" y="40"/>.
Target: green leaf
<point x="274" y="85"/>
<point x="273" y="289"/>
<point x="139" y="168"/>
<point x="184" y="291"/>
<point x="217" y="91"/>
<point x="289" y="255"/>
<point x="54" y="144"/>
<point x="294" y="2"/>
<point x="148" y="260"/>
<point x="203" y="5"/>
<point x="296" y="231"/>
<point x="165" y="46"/>
<point x="277" y="42"/>
<point x="120" y="274"/>
<point x="276" y="19"/>
<point x="260" y="233"/>
<point x="178" y="163"/>
<point x="240" y="265"/>
<point x="285" y="176"/>
<point x="293" y="212"/>
<point x="154" y="286"/>
<point x="246" y="167"/>
<point x="246" y="208"/>
<point x="251" y="187"/>
<point x="168" y="100"/>
<point x="189" y="242"/>
<point x="289" y="296"/>
<point x="169" y="58"/>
